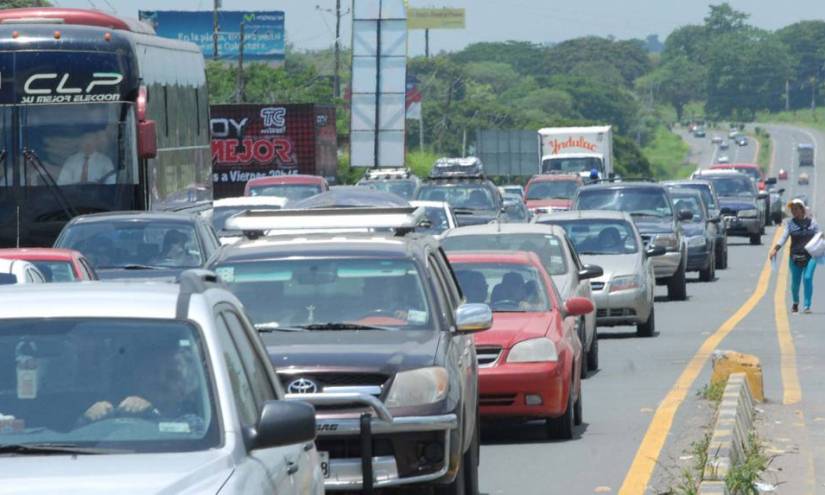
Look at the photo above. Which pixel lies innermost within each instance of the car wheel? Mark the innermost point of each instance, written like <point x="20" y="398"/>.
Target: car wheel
<point x="709" y="273"/>
<point x="578" y="410"/>
<point x="593" y="354"/>
<point x="561" y="428"/>
<point x="777" y="218"/>
<point x="459" y="484"/>
<point x="648" y="328"/>
<point x="471" y="459"/>
<point x="677" y="285"/>
<point x="756" y="239"/>
<point x="582" y="331"/>
<point x="722" y="259"/>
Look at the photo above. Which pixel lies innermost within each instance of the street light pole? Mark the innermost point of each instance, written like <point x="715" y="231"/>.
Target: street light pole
<point x="336" y="90"/>
<point x="239" y="97"/>
<point x="215" y="27"/>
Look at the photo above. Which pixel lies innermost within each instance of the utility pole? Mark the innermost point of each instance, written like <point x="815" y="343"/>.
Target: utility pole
<point x="787" y="94"/>
<point x="336" y="90"/>
<point x="215" y="6"/>
<point x="426" y="43"/>
<point x="239" y="97"/>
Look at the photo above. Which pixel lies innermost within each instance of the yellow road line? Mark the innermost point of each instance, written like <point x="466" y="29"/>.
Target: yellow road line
<point x="647" y="455"/>
<point x="791" y="390"/>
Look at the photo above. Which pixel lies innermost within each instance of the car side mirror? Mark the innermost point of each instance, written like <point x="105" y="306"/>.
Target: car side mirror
<point x="655" y="251"/>
<point x="781" y="190"/>
<point x="763" y="195"/>
<point x="590" y="271"/>
<point x="714" y="219"/>
<point x="685" y="215"/>
<point x="473" y="317"/>
<point x="770" y="181"/>
<point x="282" y="423"/>
<point x="578" y="306"/>
<point x="147" y="137"/>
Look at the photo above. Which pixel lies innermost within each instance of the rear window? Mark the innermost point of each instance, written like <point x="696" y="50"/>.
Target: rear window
<point x="642" y="201"/>
<point x="56" y="271"/>
<point x="547" y="247"/>
<point x="505" y="287"/>
<point x="557" y="189"/>
<point x="600" y="237"/>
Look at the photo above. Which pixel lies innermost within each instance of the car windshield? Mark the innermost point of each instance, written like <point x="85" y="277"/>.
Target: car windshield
<point x="691" y="204"/>
<point x="106" y="383"/>
<point x="120" y="244"/>
<point x="554" y="189"/>
<point x="581" y="164"/>
<point x="733" y="186"/>
<point x="221" y="214"/>
<point x="55" y="271"/>
<point x="505" y="287"/>
<point x="464" y="196"/>
<point x="437" y="219"/>
<point x="600" y="237"/>
<point x="296" y="293"/>
<point x="704" y="190"/>
<point x="642" y="201"/>
<point x="750" y="172"/>
<point x="291" y="192"/>
<point x="403" y="188"/>
<point x="547" y="247"/>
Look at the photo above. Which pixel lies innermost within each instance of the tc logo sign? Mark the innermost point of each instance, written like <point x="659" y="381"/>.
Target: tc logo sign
<point x="274" y="120"/>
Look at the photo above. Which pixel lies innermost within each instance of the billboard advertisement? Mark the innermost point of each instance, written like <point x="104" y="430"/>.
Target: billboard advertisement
<point x="435" y="18"/>
<point x="263" y="32"/>
<point x="251" y="140"/>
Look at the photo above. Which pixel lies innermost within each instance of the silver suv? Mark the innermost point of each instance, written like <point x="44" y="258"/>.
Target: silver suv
<point x="145" y="388"/>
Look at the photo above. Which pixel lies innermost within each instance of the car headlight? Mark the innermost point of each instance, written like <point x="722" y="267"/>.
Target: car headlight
<point x="625" y="282"/>
<point x="667" y="241"/>
<point x="697" y="241"/>
<point x="753" y="213"/>
<point x="533" y="351"/>
<point x="418" y="387"/>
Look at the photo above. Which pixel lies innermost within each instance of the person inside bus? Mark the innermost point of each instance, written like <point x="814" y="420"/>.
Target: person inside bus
<point x="89" y="165"/>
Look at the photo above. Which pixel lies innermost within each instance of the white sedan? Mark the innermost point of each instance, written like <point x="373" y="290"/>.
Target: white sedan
<point x="440" y="217"/>
<point x="19" y="272"/>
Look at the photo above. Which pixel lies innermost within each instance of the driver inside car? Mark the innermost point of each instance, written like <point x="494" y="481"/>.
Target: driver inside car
<point x="89" y="165"/>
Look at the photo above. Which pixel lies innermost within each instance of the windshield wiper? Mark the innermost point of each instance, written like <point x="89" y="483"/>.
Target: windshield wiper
<point x="342" y="326"/>
<point x="29" y="156"/>
<point x="274" y="326"/>
<point x="138" y="266"/>
<point x="55" y="449"/>
<point x="640" y="214"/>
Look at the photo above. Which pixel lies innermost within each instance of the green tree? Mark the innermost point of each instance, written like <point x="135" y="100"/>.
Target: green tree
<point x="522" y="56"/>
<point x="628" y="57"/>
<point x="806" y="43"/>
<point x="723" y="19"/>
<point x="678" y="81"/>
<point x="17" y="4"/>
<point x="687" y="41"/>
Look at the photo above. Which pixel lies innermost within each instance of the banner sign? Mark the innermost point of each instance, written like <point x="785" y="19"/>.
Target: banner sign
<point x="263" y="32"/>
<point x="435" y="18"/>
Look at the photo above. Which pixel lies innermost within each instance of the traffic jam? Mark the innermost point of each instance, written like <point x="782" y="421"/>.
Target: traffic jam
<point x="286" y="333"/>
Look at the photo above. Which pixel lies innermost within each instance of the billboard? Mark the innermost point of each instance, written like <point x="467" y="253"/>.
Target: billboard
<point x="435" y="18"/>
<point x="263" y="32"/>
<point x="251" y="140"/>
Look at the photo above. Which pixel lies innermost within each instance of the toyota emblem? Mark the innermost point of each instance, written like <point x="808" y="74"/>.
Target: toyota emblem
<point x="302" y="386"/>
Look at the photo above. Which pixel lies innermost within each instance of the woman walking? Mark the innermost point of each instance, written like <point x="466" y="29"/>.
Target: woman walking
<point x="800" y="228"/>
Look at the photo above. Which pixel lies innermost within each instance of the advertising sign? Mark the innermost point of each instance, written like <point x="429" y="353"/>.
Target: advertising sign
<point x="435" y="18"/>
<point x="263" y="32"/>
<point x="250" y="141"/>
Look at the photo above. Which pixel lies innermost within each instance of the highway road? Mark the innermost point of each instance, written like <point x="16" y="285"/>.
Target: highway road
<point x="642" y="410"/>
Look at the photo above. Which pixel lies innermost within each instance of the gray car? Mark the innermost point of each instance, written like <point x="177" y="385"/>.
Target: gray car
<point x="711" y="199"/>
<point x="144" y="388"/>
<point x="558" y="256"/>
<point x="624" y="293"/>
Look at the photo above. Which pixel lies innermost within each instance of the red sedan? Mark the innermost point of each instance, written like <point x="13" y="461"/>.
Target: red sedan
<point x="57" y="265"/>
<point x="551" y="192"/>
<point x="749" y="169"/>
<point x="530" y="360"/>
<point x="291" y="187"/>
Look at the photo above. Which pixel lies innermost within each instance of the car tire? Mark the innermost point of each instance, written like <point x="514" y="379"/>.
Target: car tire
<point x="582" y="332"/>
<point x="562" y="428"/>
<point x="722" y="257"/>
<point x="756" y="239"/>
<point x="471" y="460"/>
<point x="648" y="328"/>
<point x="593" y="354"/>
<point x="578" y="409"/>
<point x="777" y="219"/>
<point x="459" y="484"/>
<point x="709" y="273"/>
<point x="677" y="285"/>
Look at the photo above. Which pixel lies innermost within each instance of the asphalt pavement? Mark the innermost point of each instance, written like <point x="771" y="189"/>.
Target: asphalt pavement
<point x="642" y="410"/>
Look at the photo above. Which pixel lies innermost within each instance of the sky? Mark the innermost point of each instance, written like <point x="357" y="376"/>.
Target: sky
<point x="310" y="24"/>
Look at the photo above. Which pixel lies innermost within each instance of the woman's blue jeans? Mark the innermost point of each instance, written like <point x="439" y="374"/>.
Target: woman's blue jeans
<point x="806" y="276"/>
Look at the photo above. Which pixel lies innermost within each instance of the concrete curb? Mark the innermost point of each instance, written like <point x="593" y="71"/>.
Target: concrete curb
<point x="713" y="488"/>
<point x="734" y="423"/>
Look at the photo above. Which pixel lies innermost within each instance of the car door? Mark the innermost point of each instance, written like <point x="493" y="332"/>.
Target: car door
<point x="580" y="288"/>
<point x="262" y="470"/>
<point x="299" y="457"/>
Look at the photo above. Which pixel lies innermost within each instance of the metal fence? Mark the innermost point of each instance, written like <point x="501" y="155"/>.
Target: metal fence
<point x="508" y="153"/>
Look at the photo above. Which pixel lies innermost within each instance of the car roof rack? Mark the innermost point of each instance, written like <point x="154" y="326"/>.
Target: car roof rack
<point x="385" y="173"/>
<point x="256" y="223"/>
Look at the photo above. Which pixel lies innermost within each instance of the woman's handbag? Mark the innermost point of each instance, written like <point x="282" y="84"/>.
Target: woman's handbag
<point x="816" y="246"/>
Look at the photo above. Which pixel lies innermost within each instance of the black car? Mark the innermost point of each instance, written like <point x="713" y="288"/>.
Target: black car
<point x="699" y="231"/>
<point x="474" y="200"/>
<point x="651" y="208"/>
<point x="140" y="244"/>
<point x="711" y="199"/>
<point x="741" y="205"/>
<point x="372" y="330"/>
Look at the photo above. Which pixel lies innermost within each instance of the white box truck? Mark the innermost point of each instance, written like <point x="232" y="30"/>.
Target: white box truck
<point x="579" y="150"/>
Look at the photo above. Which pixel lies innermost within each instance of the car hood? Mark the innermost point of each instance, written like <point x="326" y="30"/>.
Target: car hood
<point x="374" y="350"/>
<point x="553" y="203"/>
<point x="120" y="274"/>
<point x="647" y="226"/>
<point x="614" y="264"/>
<point x="190" y="472"/>
<point x="511" y="328"/>
<point x="734" y="203"/>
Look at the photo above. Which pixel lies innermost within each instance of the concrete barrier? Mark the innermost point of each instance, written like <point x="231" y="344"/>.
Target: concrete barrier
<point x="713" y="488"/>
<point x="734" y="423"/>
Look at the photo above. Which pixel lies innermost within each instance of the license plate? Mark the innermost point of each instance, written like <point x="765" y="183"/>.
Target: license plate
<point x="325" y="464"/>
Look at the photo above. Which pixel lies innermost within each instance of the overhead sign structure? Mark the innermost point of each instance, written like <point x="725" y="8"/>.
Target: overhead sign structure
<point x="444" y="18"/>
<point x="263" y="32"/>
<point x="379" y="76"/>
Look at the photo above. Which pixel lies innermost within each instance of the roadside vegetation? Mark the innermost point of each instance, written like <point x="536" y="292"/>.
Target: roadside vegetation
<point x="765" y="150"/>
<point x="668" y="153"/>
<point x="742" y="479"/>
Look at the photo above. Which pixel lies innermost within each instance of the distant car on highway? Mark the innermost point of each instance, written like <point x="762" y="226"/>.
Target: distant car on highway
<point x="514" y="209"/>
<point x="723" y="159"/>
<point x="624" y="293"/>
<point x="805" y="151"/>
<point x="530" y="359"/>
<point x="141" y="244"/>
<point x="399" y="181"/>
<point x="741" y="140"/>
<point x="474" y="199"/>
<point x="56" y="265"/>
<point x="699" y="132"/>
<point x="19" y="272"/>
<point x="570" y="276"/>
<point x="651" y="208"/>
<point x="291" y="187"/>
<point x="440" y="217"/>
<point x="711" y="200"/>
<point x="512" y="189"/>
<point x="742" y="206"/>
<point x="549" y="193"/>
<point x="782" y="175"/>
<point x="724" y="145"/>
<point x="716" y="139"/>
<point x="700" y="232"/>
<point x="803" y="179"/>
<point x="165" y="386"/>
<point x="776" y="201"/>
